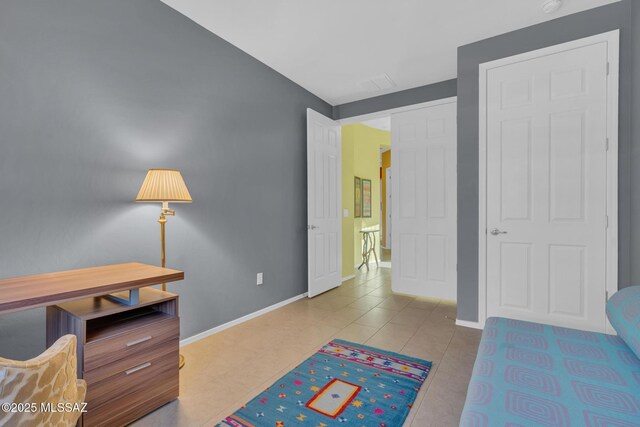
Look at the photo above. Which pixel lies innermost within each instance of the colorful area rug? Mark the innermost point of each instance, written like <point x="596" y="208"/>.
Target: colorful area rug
<point x="343" y="384"/>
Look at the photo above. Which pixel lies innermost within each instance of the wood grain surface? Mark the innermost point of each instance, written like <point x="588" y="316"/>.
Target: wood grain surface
<point x="26" y="292"/>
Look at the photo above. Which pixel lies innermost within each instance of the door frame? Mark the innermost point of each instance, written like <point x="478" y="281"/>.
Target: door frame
<point x="377" y="114"/>
<point x="382" y="113"/>
<point x="387" y="223"/>
<point x="612" y="38"/>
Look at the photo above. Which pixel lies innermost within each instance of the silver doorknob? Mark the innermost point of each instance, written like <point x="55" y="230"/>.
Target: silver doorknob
<point x="495" y="232"/>
<point x="311" y="227"/>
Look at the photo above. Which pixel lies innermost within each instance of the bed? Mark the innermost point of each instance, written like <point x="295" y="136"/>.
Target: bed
<point x="531" y="374"/>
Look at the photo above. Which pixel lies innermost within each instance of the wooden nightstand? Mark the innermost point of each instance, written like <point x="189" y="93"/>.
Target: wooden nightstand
<point x="128" y="355"/>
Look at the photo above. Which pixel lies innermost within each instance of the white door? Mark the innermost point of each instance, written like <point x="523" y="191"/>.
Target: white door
<point x="324" y="200"/>
<point x="424" y="207"/>
<point x="388" y="219"/>
<point x="546" y="188"/>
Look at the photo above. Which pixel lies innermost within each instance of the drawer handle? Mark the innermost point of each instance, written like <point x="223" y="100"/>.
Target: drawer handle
<point x="139" y="341"/>
<point x="137" y="368"/>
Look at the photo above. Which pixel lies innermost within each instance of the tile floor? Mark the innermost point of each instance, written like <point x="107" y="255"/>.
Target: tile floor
<point x="226" y="370"/>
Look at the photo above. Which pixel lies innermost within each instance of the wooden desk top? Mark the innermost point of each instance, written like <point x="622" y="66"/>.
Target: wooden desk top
<point x="25" y="292"/>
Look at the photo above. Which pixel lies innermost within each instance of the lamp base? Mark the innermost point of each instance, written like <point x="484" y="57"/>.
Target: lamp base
<point x="181" y="362"/>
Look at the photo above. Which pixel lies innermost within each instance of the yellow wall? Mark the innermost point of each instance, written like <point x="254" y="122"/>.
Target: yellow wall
<point x="360" y="157"/>
<point x="347" y="200"/>
<point x="386" y="164"/>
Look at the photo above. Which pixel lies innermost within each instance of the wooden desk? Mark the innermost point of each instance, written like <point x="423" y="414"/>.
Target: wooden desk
<point x="40" y="290"/>
<point x="128" y="354"/>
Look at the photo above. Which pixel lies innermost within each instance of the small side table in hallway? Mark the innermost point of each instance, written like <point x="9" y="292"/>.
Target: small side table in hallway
<point x="369" y="245"/>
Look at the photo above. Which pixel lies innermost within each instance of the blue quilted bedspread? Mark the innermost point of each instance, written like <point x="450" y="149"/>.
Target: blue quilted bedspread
<point x="529" y="374"/>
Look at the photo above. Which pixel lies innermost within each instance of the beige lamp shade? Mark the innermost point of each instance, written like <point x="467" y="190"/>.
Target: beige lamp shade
<point x="164" y="185"/>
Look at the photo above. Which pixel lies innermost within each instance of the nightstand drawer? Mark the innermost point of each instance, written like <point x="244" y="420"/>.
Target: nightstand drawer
<point x="136" y="338"/>
<point x="105" y="371"/>
<point x="130" y="407"/>
<point x="158" y="371"/>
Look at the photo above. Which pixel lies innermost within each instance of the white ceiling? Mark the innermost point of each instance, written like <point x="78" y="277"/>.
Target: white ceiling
<point x="335" y="48"/>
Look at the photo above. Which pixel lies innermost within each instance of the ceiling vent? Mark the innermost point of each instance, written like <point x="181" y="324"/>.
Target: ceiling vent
<point x="377" y="83"/>
<point x="550" y="6"/>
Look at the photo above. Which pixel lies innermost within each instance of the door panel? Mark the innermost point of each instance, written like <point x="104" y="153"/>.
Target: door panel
<point x="515" y="276"/>
<point x="567" y="166"/>
<point x="408" y="247"/>
<point x="567" y="273"/>
<point x="515" y="168"/>
<point x="424" y="206"/>
<point x="407" y="171"/>
<point x="324" y="221"/>
<point x="546" y="188"/>
<point x="437" y="258"/>
<point x="436" y="182"/>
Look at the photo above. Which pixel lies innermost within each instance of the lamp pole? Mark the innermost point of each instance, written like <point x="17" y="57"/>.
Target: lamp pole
<point x="162" y="221"/>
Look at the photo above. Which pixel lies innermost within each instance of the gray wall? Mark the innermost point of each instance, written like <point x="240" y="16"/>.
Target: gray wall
<point x="633" y="115"/>
<point x="93" y="93"/>
<point x="623" y="15"/>
<point x="412" y="96"/>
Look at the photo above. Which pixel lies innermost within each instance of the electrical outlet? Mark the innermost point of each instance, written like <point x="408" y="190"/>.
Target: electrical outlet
<point x="259" y="279"/>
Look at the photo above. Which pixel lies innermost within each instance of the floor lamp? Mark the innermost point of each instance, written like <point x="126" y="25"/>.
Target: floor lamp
<point x="164" y="186"/>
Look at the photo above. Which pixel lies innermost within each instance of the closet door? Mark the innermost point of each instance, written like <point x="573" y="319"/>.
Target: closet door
<point x="546" y="191"/>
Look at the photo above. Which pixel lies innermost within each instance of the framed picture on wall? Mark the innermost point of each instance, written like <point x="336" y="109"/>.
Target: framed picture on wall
<point x="366" y="198"/>
<point x="357" y="197"/>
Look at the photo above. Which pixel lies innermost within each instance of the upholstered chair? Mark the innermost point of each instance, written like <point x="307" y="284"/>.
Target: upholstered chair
<point x="48" y="378"/>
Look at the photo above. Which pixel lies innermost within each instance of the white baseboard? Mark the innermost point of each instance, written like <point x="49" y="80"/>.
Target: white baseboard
<point x="238" y="321"/>
<point x="468" y="324"/>
<point x="344" y="279"/>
